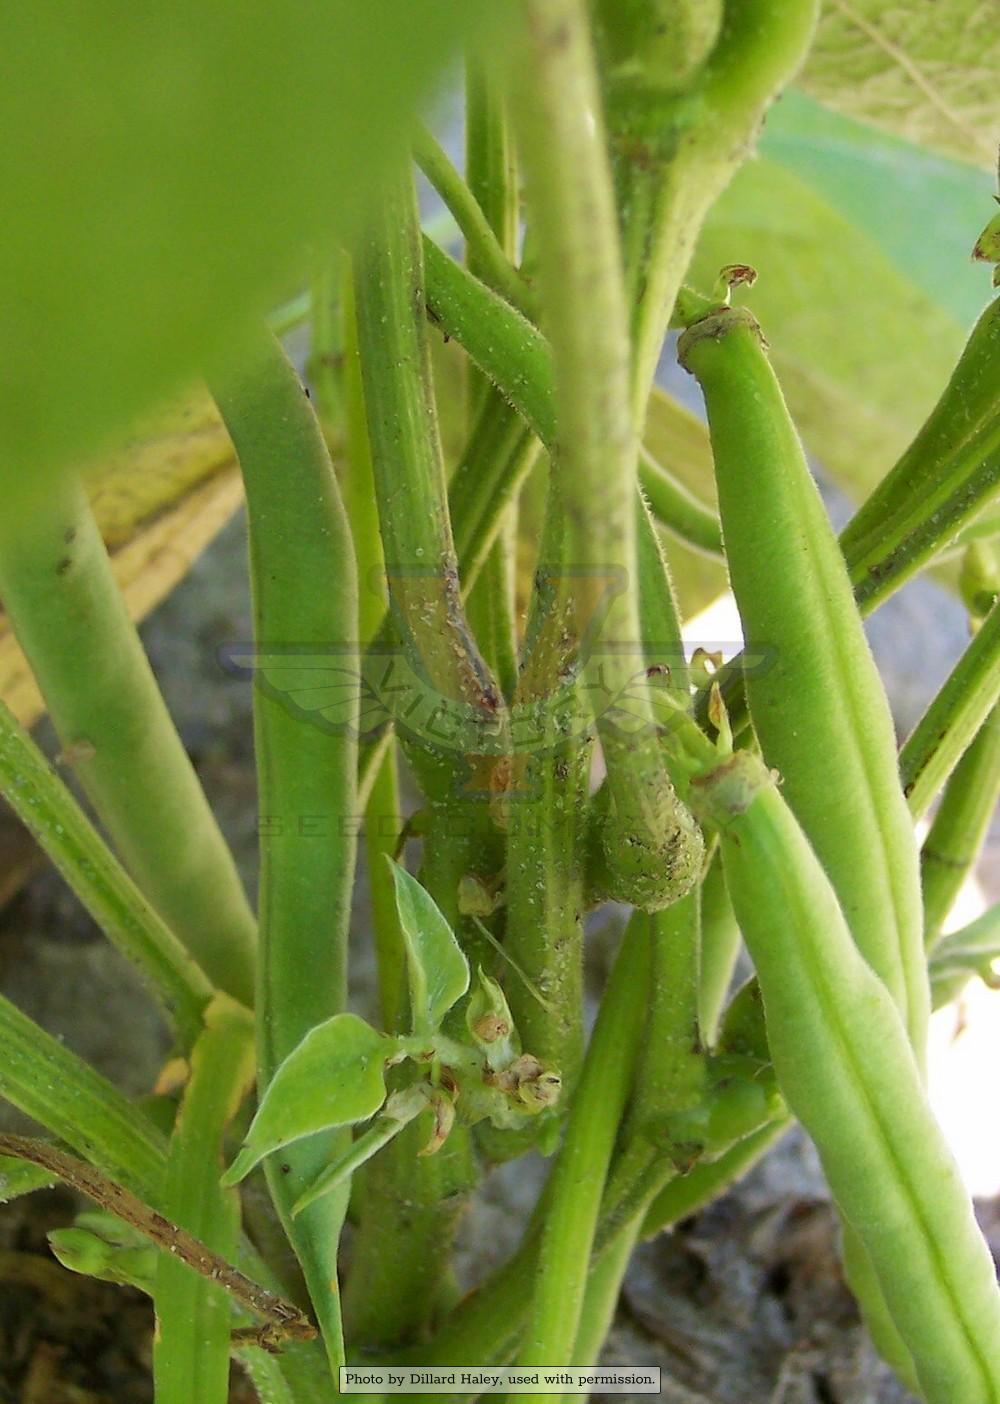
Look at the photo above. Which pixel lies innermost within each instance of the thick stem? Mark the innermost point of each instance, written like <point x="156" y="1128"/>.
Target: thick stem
<point x="575" y="225"/>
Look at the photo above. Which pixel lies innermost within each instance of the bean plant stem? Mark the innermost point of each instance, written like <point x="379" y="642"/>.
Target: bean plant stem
<point x="191" y="1347"/>
<point x="571" y="203"/>
<point x="492" y="259"/>
<point x="410" y="1203"/>
<point x="382" y="807"/>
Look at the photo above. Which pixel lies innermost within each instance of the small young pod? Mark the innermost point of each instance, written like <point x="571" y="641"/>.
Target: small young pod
<point x="848" y="1073"/>
<point x="820" y="710"/>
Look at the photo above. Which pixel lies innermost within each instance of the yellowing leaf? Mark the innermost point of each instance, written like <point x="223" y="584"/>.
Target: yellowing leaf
<point x="926" y="70"/>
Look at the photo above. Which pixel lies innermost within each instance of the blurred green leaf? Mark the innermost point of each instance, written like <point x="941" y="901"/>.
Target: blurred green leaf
<point x="335" y="1077"/>
<point x="927" y="71"/>
<point x="165" y="169"/>
<point x="439" y="972"/>
<point x="923" y="210"/>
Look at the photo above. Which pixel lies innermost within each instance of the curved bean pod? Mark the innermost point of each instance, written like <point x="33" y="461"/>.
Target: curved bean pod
<point x="956" y="835"/>
<point x="941" y="453"/>
<point x="306" y="773"/>
<point x="820" y="710"/>
<point x="847" y="1070"/>
<point x="70" y="619"/>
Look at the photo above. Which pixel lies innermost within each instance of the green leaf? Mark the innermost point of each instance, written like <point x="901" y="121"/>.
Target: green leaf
<point x="927" y="71"/>
<point x="923" y="210"/>
<point x="335" y="1077"/>
<point x="861" y="350"/>
<point x="439" y="972"/>
<point x="167" y="171"/>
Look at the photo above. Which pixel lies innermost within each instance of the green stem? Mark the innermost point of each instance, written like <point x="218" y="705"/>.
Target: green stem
<point x="497" y="458"/>
<point x="945" y="731"/>
<point x="546" y="820"/>
<point x="493" y="263"/>
<point x="671" y="1073"/>
<point x="760" y="48"/>
<point x="306" y="772"/>
<point x="962" y="954"/>
<point x="409" y="470"/>
<point x="69" y="617"/>
<point x="493" y="186"/>
<point x="401" y="1256"/>
<point x="382" y="807"/>
<point x="577" y="1181"/>
<point x="191" y="1347"/>
<point x="956" y="836"/>
<point x="678" y="509"/>
<point x="601" y="1297"/>
<point x="720" y="949"/>
<point x="51" y="814"/>
<point x="686" y="1194"/>
<point x="571" y="202"/>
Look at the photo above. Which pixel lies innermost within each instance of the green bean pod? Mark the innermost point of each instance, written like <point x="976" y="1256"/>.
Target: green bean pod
<point x="820" y="710"/>
<point x="956" y="835"/>
<point x="306" y="772"/>
<point x="69" y="617"/>
<point x="965" y="419"/>
<point x="847" y="1070"/>
<point x="945" y="731"/>
<point x="720" y="949"/>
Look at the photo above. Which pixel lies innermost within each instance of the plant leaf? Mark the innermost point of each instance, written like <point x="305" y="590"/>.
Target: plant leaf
<point x="439" y="972"/>
<point x="335" y="1077"/>
<point x="923" y="210"/>
<point x="172" y="167"/>
<point x="925" y="71"/>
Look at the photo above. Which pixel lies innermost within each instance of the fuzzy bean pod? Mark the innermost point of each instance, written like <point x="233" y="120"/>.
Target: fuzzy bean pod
<point x="848" y="1072"/>
<point x="820" y="710"/>
<point x="956" y="835"/>
<point x="306" y="771"/>
<point x="62" y="599"/>
<point x="962" y="429"/>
